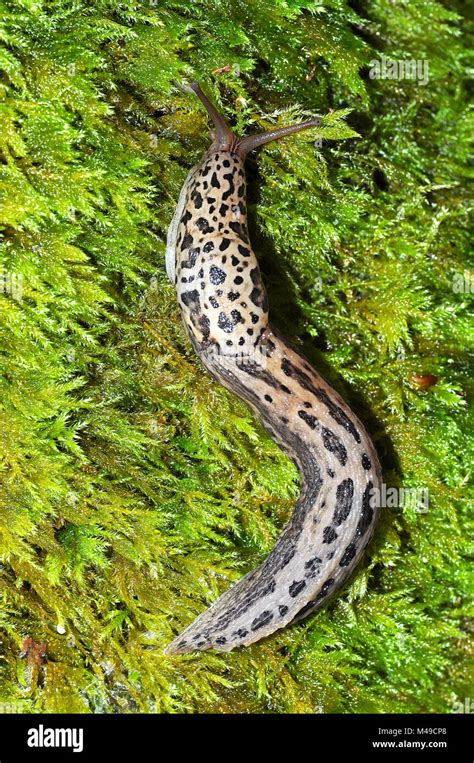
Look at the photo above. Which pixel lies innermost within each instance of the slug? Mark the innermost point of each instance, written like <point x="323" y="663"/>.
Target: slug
<point x="209" y="260"/>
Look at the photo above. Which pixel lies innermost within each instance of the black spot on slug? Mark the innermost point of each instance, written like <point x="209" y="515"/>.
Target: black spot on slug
<point x="230" y="179"/>
<point x="192" y="257"/>
<point x="367" y="512"/>
<point x="314" y="602"/>
<point x="191" y="299"/>
<point x="334" y="445"/>
<point x="240" y="633"/>
<point x="311" y="563"/>
<point x="255" y="276"/>
<point x="203" y="225"/>
<point x="186" y="242"/>
<point x="338" y="414"/>
<point x="313" y="567"/>
<point x="186" y="217"/>
<point x="296" y="587"/>
<point x="329" y="535"/>
<point x="344" y="495"/>
<point x="348" y="555"/>
<point x="308" y="418"/>
<point x="325" y="588"/>
<point x="257" y="372"/>
<point x="257" y="296"/>
<point x="237" y="316"/>
<point x="205" y="325"/>
<point x="265" y="617"/>
<point x="216" y="275"/>
<point x="335" y="411"/>
<point x="225" y="323"/>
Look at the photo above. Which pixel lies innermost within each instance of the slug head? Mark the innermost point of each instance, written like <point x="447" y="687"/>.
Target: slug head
<point x="224" y="139"/>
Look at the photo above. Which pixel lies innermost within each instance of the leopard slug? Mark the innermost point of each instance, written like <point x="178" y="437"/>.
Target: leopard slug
<point x="224" y="305"/>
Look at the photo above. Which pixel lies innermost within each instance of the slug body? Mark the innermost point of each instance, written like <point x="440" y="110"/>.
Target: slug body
<point x="225" y="309"/>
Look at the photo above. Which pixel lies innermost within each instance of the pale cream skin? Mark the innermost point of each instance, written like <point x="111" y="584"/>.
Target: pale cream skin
<point x="225" y="309"/>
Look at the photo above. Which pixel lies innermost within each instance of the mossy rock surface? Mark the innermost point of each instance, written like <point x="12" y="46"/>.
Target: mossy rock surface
<point x="134" y="488"/>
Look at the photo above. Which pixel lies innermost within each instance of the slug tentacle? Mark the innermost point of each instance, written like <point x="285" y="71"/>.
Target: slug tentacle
<point x="225" y="309"/>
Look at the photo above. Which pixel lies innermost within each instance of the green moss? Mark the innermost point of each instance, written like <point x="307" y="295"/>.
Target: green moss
<point x="134" y="488"/>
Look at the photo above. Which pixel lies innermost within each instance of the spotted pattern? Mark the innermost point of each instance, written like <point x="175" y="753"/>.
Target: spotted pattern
<point x="217" y="254"/>
<point x="225" y="309"/>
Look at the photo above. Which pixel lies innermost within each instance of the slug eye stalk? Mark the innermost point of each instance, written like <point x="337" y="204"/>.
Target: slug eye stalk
<point x="224" y="139"/>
